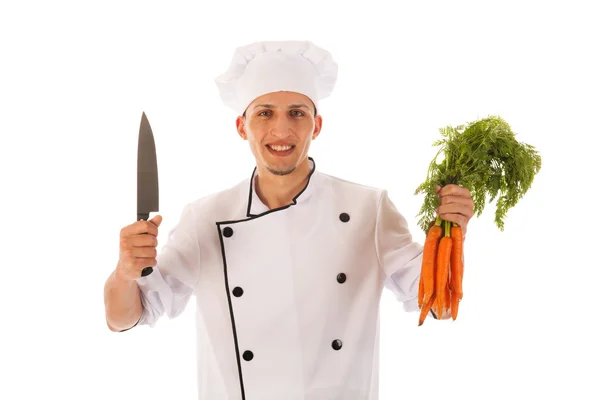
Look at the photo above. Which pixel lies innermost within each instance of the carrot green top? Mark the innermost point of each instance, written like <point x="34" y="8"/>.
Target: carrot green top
<point x="484" y="157"/>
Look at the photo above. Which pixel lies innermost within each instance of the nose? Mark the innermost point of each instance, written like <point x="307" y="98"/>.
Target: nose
<point x="280" y="127"/>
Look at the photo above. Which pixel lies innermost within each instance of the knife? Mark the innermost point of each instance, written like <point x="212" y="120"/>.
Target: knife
<point x="147" y="176"/>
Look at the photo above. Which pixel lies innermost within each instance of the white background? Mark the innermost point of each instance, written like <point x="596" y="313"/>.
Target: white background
<point x="76" y="76"/>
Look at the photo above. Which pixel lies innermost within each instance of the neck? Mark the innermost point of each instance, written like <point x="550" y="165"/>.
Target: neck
<point x="279" y="190"/>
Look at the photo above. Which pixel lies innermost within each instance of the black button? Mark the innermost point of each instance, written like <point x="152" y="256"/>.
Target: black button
<point x="344" y="217"/>
<point x="248" y="355"/>
<point x="238" y="291"/>
<point x="227" y="232"/>
<point x="341" y="278"/>
<point x="337" y="344"/>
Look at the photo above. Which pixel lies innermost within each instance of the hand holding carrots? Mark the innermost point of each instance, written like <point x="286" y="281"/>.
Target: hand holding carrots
<point x="481" y="158"/>
<point x="456" y="205"/>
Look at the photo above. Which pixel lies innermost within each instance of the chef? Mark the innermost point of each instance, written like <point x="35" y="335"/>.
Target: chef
<point x="286" y="267"/>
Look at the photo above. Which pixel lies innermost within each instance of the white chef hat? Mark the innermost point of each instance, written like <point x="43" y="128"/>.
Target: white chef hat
<point x="271" y="66"/>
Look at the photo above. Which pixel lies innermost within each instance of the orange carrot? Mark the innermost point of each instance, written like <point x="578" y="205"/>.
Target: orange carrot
<point x="421" y="291"/>
<point x="447" y="296"/>
<point x="456" y="269"/>
<point x="428" y="265"/>
<point x="425" y="309"/>
<point x="454" y="300"/>
<point x="457" y="265"/>
<point x="443" y="268"/>
<point x="421" y="284"/>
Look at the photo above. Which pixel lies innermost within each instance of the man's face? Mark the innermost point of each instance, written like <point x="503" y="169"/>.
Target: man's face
<point x="279" y="127"/>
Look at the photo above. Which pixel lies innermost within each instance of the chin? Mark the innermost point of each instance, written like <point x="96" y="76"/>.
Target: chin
<point x="281" y="171"/>
<point x="281" y="166"/>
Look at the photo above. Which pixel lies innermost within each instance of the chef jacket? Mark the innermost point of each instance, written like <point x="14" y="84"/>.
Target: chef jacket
<point x="287" y="299"/>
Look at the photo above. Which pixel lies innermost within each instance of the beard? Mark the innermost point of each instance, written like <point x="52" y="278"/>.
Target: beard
<point x="281" y="172"/>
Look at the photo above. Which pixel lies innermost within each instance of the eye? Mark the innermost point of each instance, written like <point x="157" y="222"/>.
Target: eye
<point x="261" y="113"/>
<point x="297" y="113"/>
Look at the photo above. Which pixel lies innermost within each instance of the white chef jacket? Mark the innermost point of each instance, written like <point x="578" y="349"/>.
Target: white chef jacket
<point x="287" y="299"/>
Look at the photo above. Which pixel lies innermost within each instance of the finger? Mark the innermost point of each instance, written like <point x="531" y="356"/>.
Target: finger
<point x="452" y="199"/>
<point x="455" y="208"/>
<point x="459" y="219"/>
<point x="145" y="227"/>
<point x="148" y="227"/>
<point x="143" y="252"/>
<point x="144" y="240"/>
<point x="140" y="240"/>
<point x="140" y="227"/>
<point x="454" y="190"/>
<point x="156" y="220"/>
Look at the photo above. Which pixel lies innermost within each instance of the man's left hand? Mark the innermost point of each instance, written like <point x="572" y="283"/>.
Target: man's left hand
<point x="456" y="205"/>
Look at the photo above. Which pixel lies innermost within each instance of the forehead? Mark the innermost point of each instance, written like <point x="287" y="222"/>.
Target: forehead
<point x="281" y="99"/>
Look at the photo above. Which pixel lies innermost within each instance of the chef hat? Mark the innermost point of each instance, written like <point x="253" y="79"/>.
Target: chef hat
<point x="271" y="66"/>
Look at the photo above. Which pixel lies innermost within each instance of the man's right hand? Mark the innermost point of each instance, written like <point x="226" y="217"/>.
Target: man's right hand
<point x="137" y="249"/>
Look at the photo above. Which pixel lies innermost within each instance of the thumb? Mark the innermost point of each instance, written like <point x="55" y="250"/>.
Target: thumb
<point x="156" y="220"/>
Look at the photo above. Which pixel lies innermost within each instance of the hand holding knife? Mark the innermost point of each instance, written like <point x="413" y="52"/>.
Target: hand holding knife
<point x="147" y="176"/>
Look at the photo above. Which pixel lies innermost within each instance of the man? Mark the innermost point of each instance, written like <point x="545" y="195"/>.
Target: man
<point x="288" y="266"/>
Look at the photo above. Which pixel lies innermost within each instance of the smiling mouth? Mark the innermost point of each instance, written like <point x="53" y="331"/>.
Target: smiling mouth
<point x="280" y="150"/>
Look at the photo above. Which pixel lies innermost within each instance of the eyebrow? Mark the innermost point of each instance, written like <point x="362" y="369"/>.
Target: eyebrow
<point x="290" y="106"/>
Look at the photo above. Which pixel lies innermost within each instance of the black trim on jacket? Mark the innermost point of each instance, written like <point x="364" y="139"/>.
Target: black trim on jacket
<point x="250" y="217"/>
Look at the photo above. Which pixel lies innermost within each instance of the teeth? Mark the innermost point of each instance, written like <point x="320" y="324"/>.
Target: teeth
<point x="280" y="148"/>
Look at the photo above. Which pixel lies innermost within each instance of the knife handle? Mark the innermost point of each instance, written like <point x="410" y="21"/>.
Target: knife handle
<point x="144" y="216"/>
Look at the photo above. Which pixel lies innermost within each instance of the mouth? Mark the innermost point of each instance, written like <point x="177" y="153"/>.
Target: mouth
<point x="280" y="150"/>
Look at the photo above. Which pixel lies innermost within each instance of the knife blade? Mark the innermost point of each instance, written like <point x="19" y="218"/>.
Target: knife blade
<point x="147" y="176"/>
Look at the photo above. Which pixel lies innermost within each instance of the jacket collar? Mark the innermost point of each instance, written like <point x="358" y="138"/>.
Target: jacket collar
<point x="256" y="207"/>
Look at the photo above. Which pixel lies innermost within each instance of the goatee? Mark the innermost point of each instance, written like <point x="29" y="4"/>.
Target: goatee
<point x="280" y="172"/>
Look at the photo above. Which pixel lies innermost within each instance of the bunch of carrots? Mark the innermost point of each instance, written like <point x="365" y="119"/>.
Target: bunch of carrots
<point x="440" y="286"/>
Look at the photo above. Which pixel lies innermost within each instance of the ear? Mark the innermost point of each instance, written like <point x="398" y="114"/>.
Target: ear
<point x="318" y="126"/>
<point x="241" y="128"/>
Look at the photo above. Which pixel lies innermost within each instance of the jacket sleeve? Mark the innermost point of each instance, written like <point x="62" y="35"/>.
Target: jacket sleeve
<point x="169" y="287"/>
<point x="399" y="256"/>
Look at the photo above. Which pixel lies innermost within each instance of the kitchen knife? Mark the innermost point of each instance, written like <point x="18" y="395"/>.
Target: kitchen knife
<point x="147" y="176"/>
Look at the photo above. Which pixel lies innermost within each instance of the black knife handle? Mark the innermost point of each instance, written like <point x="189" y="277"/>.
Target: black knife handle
<point x="144" y="216"/>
